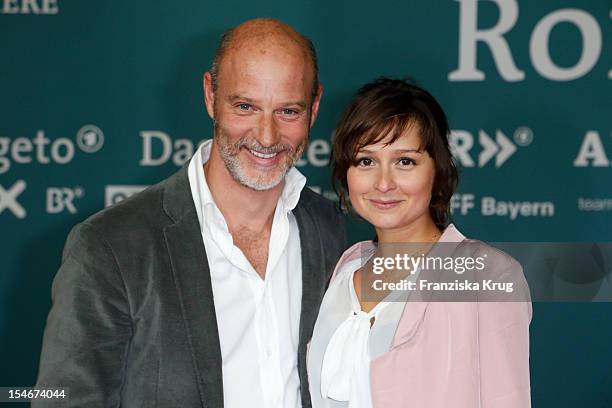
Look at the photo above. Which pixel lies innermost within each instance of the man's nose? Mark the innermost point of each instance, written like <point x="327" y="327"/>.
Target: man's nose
<point x="384" y="180"/>
<point x="268" y="130"/>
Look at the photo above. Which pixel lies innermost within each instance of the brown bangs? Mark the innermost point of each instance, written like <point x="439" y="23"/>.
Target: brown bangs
<point x="389" y="130"/>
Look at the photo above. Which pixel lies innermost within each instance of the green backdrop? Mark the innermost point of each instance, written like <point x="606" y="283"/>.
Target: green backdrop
<point x="98" y="98"/>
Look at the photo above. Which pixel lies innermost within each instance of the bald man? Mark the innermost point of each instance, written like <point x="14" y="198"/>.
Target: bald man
<point x="202" y="291"/>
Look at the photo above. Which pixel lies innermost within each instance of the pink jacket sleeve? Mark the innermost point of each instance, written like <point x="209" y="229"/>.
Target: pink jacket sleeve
<point x="503" y="336"/>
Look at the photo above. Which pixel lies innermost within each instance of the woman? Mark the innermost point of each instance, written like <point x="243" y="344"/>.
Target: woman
<point x="392" y="161"/>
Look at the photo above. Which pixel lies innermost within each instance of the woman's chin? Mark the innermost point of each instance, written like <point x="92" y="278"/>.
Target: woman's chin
<point x="387" y="225"/>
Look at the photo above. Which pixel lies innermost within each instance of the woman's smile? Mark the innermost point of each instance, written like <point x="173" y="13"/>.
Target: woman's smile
<point x="384" y="203"/>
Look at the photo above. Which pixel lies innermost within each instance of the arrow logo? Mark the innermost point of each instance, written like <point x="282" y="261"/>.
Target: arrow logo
<point x="502" y="148"/>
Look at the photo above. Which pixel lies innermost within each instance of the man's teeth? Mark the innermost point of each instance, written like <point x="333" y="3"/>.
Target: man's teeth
<point x="263" y="155"/>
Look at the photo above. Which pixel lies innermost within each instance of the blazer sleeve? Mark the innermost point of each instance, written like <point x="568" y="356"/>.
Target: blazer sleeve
<point x="503" y="336"/>
<point x="89" y="328"/>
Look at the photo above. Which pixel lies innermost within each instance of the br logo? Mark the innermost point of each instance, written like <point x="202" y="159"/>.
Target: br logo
<point x="8" y="199"/>
<point x="60" y="199"/>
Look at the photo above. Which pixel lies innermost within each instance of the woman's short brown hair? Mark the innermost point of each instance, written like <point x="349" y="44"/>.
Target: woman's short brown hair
<point x="388" y="107"/>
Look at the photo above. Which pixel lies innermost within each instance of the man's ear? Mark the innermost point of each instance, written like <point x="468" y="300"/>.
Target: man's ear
<point x="315" y="105"/>
<point x="209" y="95"/>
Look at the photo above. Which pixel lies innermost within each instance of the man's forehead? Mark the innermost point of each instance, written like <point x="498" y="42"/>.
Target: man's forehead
<point x="276" y="48"/>
<point x="261" y="37"/>
<point x="251" y="64"/>
<point x="246" y="80"/>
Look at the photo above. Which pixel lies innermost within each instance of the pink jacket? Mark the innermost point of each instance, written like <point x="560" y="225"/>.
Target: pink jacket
<point x="456" y="354"/>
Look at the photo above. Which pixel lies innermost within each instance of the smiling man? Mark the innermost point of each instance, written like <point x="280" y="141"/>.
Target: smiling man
<point x="203" y="289"/>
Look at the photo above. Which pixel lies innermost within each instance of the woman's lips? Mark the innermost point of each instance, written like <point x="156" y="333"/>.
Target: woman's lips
<point x="385" y="204"/>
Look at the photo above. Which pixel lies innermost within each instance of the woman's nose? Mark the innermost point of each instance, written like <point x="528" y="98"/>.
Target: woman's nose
<point x="384" y="181"/>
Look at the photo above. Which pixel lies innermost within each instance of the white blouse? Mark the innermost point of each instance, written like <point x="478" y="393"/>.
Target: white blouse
<point x="343" y="343"/>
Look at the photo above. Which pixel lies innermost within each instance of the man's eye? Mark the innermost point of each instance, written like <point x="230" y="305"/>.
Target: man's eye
<point x="406" y="161"/>
<point x="289" y="112"/>
<point x="244" y="106"/>
<point x="365" y="162"/>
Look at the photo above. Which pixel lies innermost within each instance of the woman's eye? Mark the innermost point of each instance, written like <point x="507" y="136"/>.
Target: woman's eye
<point x="365" y="162"/>
<point x="405" y="161"/>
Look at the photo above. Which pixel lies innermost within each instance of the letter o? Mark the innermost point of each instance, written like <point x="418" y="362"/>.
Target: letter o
<point x="55" y="150"/>
<point x="591" y="44"/>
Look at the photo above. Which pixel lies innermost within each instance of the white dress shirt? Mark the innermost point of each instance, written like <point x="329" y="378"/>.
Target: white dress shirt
<point x="258" y="319"/>
<point x="343" y="342"/>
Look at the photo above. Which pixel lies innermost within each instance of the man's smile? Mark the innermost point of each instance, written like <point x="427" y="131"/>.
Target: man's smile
<point x="263" y="155"/>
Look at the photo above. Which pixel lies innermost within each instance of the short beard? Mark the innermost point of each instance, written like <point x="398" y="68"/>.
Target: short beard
<point x="229" y="154"/>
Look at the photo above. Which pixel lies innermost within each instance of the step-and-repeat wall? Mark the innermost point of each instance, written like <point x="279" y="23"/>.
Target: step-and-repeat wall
<point x="99" y="99"/>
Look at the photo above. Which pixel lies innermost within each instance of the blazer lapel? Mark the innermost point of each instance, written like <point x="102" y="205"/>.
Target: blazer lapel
<point x="191" y="274"/>
<point x="313" y="287"/>
<point x="416" y="306"/>
<point x="313" y="269"/>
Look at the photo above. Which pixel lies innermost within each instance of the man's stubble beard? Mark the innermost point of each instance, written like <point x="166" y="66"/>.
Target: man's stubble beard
<point x="229" y="154"/>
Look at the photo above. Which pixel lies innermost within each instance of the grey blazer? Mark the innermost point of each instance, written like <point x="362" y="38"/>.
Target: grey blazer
<point x="133" y="321"/>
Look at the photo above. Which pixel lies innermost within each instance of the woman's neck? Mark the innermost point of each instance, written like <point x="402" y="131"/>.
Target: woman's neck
<point x="421" y="230"/>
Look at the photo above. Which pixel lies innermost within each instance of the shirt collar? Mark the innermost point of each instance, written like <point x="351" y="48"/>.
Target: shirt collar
<point x="202" y="197"/>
